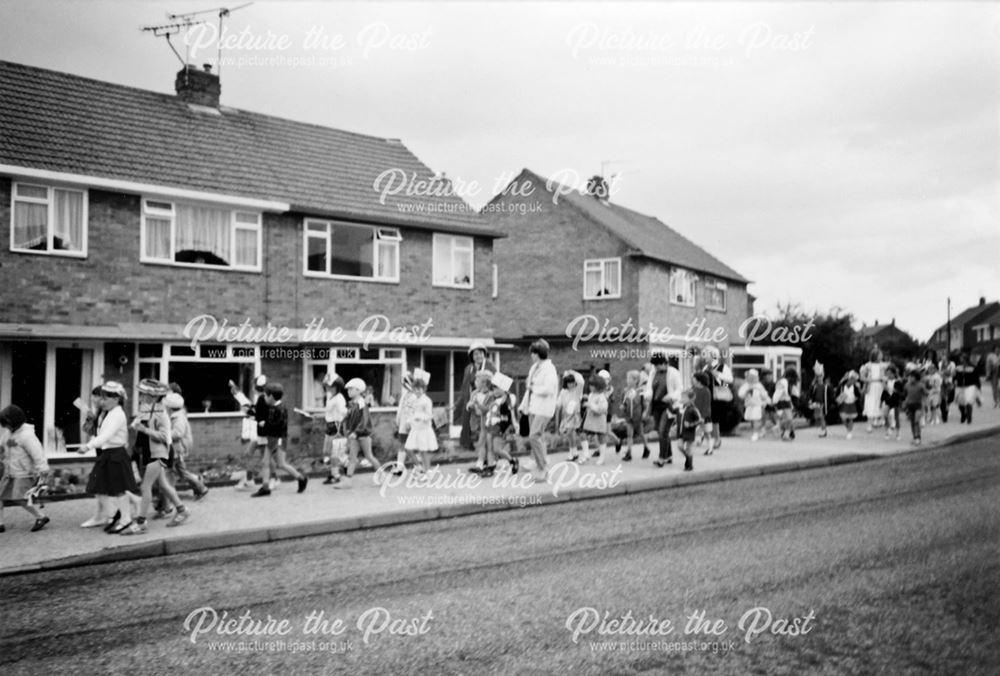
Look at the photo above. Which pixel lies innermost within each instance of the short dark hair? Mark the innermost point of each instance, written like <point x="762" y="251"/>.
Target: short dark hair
<point x="12" y="417"/>
<point x="176" y="387"/>
<point x="97" y="392"/>
<point x="657" y="359"/>
<point x="275" y="390"/>
<point x="701" y="378"/>
<point x="541" y="348"/>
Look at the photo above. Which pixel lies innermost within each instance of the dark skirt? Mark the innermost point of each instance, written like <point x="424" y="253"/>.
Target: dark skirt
<point x="720" y="410"/>
<point x="112" y="473"/>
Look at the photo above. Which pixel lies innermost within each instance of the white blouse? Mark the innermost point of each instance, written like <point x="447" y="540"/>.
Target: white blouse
<point x="113" y="431"/>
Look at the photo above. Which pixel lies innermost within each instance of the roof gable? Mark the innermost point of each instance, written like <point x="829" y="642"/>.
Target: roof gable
<point x="649" y="236"/>
<point x="67" y="123"/>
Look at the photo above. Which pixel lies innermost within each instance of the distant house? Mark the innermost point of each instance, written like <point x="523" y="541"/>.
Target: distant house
<point x="976" y="328"/>
<point x="130" y="212"/>
<point x="880" y="335"/>
<point x="575" y="262"/>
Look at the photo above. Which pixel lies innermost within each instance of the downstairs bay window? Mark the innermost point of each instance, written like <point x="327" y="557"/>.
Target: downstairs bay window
<point x="202" y="373"/>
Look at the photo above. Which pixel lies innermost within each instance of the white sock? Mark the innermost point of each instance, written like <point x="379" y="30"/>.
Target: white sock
<point x="401" y="459"/>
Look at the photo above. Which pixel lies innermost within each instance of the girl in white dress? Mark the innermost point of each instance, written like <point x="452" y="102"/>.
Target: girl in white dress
<point x="422" y="439"/>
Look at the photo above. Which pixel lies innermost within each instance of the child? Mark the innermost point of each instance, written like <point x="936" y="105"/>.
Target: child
<point x="818" y="396"/>
<point x="478" y="404"/>
<point x="421" y="438"/>
<point x="595" y="425"/>
<point x="499" y="421"/>
<point x="769" y="418"/>
<point x="333" y="416"/>
<point x="25" y="467"/>
<point x="569" y="412"/>
<point x="754" y="398"/>
<point x="915" y="394"/>
<point x="687" y="424"/>
<point x="275" y="429"/>
<point x="783" y="406"/>
<point x="103" y="509"/>
<point x="702" y="397"/>
<point x="256" y="413"/>
<point x="632" y="410"/>
<point x="932" y="406"/>
<point x="892" y="397"/>
<point x="181" y="441"/>
<point x="849" y="398"/>
<point x="153" y="428"/>
<point x="357" y="428"/>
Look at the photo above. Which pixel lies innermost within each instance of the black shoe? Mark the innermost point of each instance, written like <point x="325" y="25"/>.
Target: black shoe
<point x="658" y="463"/>
<point x="792" y="434"/>
<point x="514" y="465"/>
<point x="669" y="460"/>
<point x="487" y="472"/>
<point x="303" y="480"/>
<point x="645" y="453"/>
<point x="262" y="492"/>
<point x="627" y="457"/>
<point x="329" y="480"/>
<point x="118" y="529"/>
<point x="476" y="470"/>
<point x="3" y="528"/>
<point x="688" y="468"/>
<point x="114" y="522"/>
<point x="40" y="524"/>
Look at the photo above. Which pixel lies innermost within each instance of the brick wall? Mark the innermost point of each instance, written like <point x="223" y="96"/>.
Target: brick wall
<point x="541" y="266"/>
<point x="111" y="285"/>
<point x="655" y="306"/>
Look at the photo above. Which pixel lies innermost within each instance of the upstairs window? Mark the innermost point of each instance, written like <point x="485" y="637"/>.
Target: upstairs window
<point x="348" y="250"/>
<point x="602" y="278"/>
<point x="715" y="294"/>
<point x="682" y="287"/>
<point x="453" y="261"/>
<point x="201" y="236"/>
<point x="48" y="220"/>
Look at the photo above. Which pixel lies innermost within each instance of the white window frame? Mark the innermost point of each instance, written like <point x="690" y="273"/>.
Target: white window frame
<point x="719" y="285"/>
<point x="234" y="225"/>
<point x="601" y="265"/>
<point x="50" y="202"/>
<point x="687" y="277"/>
<point x="341" y="354"/>
<point x="496" y="280"/>
<point x="381" y="236"/>
<point x="165" y="358"/>
<point x="457" y="245"/>
<point x="982" y="332"/>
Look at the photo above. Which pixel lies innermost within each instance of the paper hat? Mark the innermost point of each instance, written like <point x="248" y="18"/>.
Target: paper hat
<point x="477" y="346"/>
<point x="421" y="376"/>
<point x="357" y="384"/>
<point x="502" y="381"/>
<point x="260" y="381"/>
<point x="604" y="374"/>
<point x="153" y="388"/>
<point x="173" y="400"/>
<point x="330" y="378"/>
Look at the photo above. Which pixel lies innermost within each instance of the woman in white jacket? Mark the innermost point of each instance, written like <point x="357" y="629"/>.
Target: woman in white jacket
<point x="539" y="404"/>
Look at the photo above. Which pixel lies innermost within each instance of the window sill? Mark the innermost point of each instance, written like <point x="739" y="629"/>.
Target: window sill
<point x="715" y="309"/>
<point x="54" y="254"/>
<point x="674" y="302"/>
<point x="609" y="297"/>
<point x="196" y="266"/>
<point x="211" y="416"/>
<point x="311" y="274"/>
<point x="463" y="287"/>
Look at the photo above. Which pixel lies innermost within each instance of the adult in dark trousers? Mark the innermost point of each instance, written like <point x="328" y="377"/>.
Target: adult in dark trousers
<point x="478" y="362"/>
<point x="661" y="408"/>
<point x="720" y="383"/>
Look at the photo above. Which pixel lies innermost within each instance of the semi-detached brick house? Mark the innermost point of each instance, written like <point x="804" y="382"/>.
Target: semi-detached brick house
<point x="572" y="254"/>
<point x="131" y="212"/>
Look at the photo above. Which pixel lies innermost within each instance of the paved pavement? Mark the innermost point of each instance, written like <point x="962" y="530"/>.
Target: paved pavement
<point x="228" y="517"/>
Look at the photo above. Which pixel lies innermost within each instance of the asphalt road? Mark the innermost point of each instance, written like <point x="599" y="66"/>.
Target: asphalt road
<point x="890" y="566"/>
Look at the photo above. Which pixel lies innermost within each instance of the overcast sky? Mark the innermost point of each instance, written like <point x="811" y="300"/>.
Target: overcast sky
<point x="838" y="154"/>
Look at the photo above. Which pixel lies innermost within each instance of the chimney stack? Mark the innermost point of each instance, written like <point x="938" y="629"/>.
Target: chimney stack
<point x="597" y="187"/>
<point x="982" y="300"/>
<point x="200" y="87"/>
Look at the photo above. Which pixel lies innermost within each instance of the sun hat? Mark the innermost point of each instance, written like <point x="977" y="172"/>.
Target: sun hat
<point x="604" y="374"/>
<point x="330" y="378"/>
<point x="421" y="376"/>
<point x="477" y="346"/>
<point x="113" y="389"/>
<point x="260" y="381"/>
<point x="153" y="388"/>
